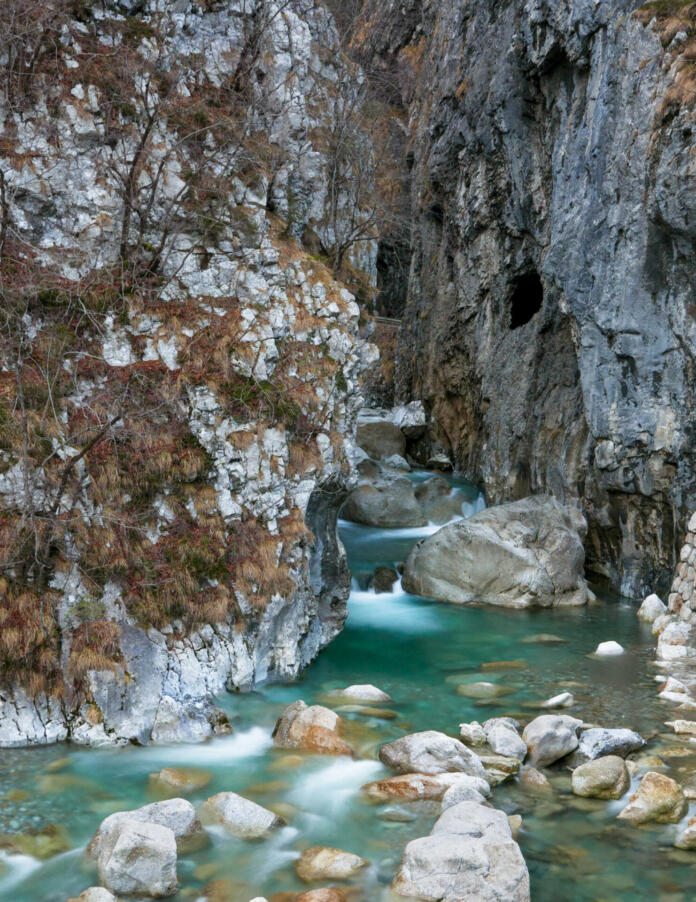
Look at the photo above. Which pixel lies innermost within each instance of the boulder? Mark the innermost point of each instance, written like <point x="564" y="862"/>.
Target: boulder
<point x="419" y="787"/>
<point x="503" y="737"/>
<point x="411" y="419"/>
<point x="534" y="781"/>
<point x="601" y="778"/>
<point x="651" y="609"/>
<point x="314" y="729"/>
<point x="177" y="815"/>
<point x="468" y="789"/>
<point x="430" y="752"/>
<point x="527" y="553"/>
<point x="325" y="863"/>
<point x="176" y="722"/>
<point x="179" y="780"/>
<point x="379" y="438"/>
<point x="598" y="741"/>
<point x="239" y="816"/>
<point x="482" y="689"/>
<point x="550" y="737"/>
<point x="659" y="798"/>
<point x="608" y="649"/>
<point x="499" y="768"/>
<point x="364" y="693"/>
<point x="95" y="894"/>
<point x="470" y="855"/>
<point x="562" y="700"/>
<point x="686" y="838"/>
<point x="396" y="462"/>
<point x="326" y="894"/>
<point x="472" y="733"/>
<point x="383" y="579"/>
<point x="139" y="859"/>
<point x="386" y="503"/>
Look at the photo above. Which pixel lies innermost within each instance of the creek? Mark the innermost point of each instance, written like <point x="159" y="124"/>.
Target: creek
<point x="418" y="651"/>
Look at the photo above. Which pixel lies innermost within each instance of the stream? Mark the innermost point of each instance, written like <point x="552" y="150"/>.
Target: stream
<point x="418" y="651"/>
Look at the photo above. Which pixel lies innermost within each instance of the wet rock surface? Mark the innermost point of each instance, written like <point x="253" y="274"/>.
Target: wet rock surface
<point x="528" y="553"/>
<point x="430" y="752"/>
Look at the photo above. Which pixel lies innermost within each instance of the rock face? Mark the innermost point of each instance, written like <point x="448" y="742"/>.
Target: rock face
<point x="470" y="855"/>
<point x="659" y="798"/>
<point x="139" y="859"/>
<point x="523" y="554"/>
<point x="547" y="326"/>
<point x="603" y="778"/>
<point x="218" y="481"/>
<point x="430" y="752"/>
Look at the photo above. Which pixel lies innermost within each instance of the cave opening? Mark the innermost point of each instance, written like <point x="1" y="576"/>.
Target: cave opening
<point x="527" y="298"/>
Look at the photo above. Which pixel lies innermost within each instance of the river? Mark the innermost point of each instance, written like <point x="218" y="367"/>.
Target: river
<point x="419" y="652"/>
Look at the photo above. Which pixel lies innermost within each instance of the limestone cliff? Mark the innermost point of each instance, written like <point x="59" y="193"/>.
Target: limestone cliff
<point x="550" y="320"/>
<point x="178" y="377"/>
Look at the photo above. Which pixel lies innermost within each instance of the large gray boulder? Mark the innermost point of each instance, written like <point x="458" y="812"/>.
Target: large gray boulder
<point x="139" y="859"/>
<point x="601" y="778"/>
<point x="388" y="502"/>
<point x="470" y="855"/>
<point x="527" y="553"/>
<point x="431" y="752"/>
<point x="379" y="437"/>
<point x="658" y="798"/>
<point x="551" y="737"/>
<point x="177" y="815"/>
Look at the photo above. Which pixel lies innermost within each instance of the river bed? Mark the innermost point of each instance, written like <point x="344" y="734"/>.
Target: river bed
<point x="418" y="651"/>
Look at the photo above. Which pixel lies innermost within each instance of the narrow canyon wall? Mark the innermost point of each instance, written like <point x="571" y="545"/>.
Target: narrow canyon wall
<point x="550" y="322"/>
<point x="178" y="376"/>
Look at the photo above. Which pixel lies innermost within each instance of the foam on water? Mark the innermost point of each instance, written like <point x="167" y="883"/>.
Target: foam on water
<point x="19" y="867"/>
<point x="329" y="789"/>
<point x="396" y="611"/>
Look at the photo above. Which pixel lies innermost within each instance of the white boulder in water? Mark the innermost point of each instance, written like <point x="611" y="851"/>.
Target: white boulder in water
<point x="364" y="693"/>
<point x="652" y="608"/>
<point x="608" y="649"/>
<point x="659" y="799"/>
<point x="239" y="816"/>
<point x="326" y="863"/>
<point x="139" y="859"/>
<point x="562" y="700"/>
<point x="95" y="894"/>
<point x="598" y="741"/>
<point x="503" y="737"/>
<point x="470" y="855"/>
<point x="524" y="554"/>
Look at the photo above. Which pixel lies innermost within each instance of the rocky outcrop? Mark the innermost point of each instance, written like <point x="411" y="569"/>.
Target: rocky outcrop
<point x="524" y="554"/>
<point x="197" y="370"/>
<point x="549" y="326"/>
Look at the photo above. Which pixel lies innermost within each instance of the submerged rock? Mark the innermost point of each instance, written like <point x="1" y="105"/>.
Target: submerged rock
<point x="659" y="798"/>
<point x="686" y="839"/>
<point x="175" y="780"/>
<point x="364" y="693"/>
<point x="326" y="894"/>
<point x="139" y="859"/>
<point x="483" y="689"/>
<point x="550" y="737"/>
<point x="523" y="554"/>
<point x="430" y="752"/>
<point x="177" y="815"/>
<point x="601" y="778"/>
<point x="534" y="781"/>
<point x="239" y="816"/>
<point x="470" y="855"/>
<point x="326" y="863"/>
<point x="314" y="729"/>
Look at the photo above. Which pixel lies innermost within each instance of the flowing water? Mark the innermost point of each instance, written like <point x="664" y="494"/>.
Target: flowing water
<point x="419" y="652"/>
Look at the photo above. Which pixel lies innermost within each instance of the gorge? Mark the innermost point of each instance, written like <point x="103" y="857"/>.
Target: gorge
<point x="329" y="331"/>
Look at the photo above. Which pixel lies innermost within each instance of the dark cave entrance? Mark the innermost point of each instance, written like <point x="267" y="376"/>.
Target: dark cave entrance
<point x="527" y="298"/>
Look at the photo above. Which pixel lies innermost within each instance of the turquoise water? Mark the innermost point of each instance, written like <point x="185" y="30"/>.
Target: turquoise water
<point x="417" y="651"/>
